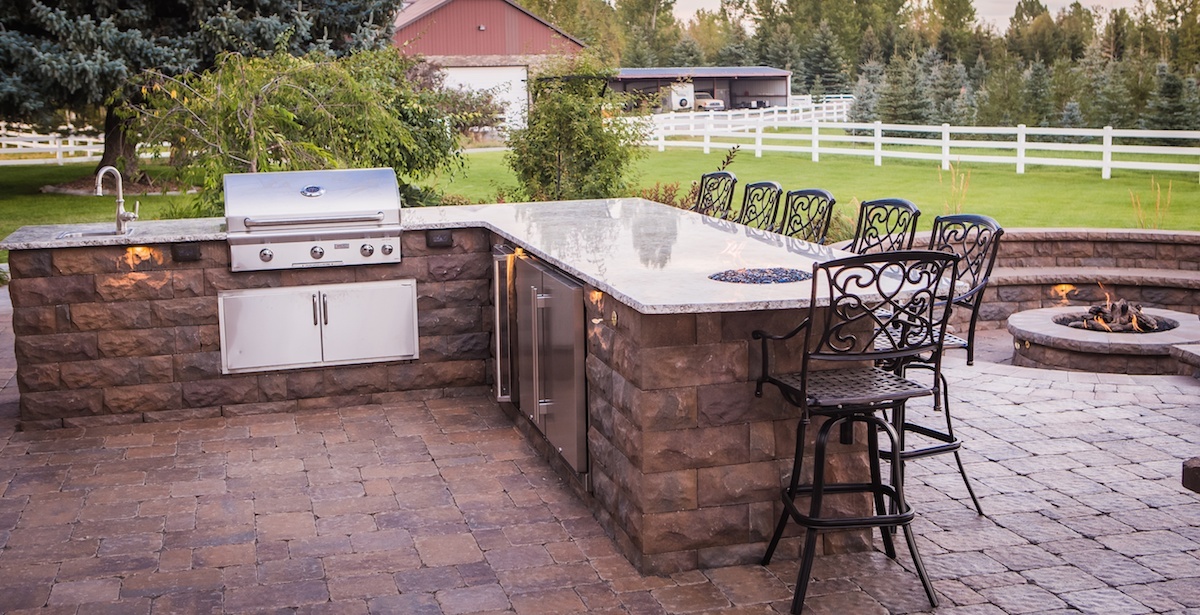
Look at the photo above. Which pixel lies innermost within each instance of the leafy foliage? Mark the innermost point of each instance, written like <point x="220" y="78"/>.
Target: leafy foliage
<point x="76" y="55"/>
<point x="574" y="144"/>
<point x="287" y="113"/>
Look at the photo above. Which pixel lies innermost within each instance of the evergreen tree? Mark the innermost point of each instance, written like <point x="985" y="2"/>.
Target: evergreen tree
<point x="867" y="91"/>
<point x="779" y="48"/>
<point x="687" y="53"/>
<point x="901" y="100"/>
<point x="1071" y="117"/>
<point x="824" y="67"/>
<point x="638" y="52"/>
<point x="1110" y="104"/>
<point x="77" y="55"/>
<point x="870" y="48"/>
<point x="737" y="51"/>
<point x="1168" y="108"/>
<point x="979" y="72"/>
<point x="929" y="69"/>
<point x="999" y="100"/>
<point x="1191" y="101"/>
<point x="1036" y="106"/>
<point x="950" y="93"/>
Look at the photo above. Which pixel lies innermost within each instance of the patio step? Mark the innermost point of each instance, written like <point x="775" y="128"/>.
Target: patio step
<point x="1166" y="278"/>
<point x="1188" y="356"/>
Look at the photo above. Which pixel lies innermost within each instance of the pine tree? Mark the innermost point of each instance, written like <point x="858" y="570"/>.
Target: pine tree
<point x="1167" y="109"/>
<point x="736" y="52"/>
<point x="901" y="100"/>
<point x="687" y="52"/>
<point x="870" y="48"/>
<point x="949" y="93"/>
<point x="1072" y="117"/>
<point x="1036" y="105"/>
<point x="823" y="63"/>
<point x="779" y="48"/>
<point x="77" y="55"/>
<point x="865" y="107"/>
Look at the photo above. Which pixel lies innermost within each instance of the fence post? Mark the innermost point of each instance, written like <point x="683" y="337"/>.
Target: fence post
<point x="662" y="137"/>
<point x="878" y="143"/>
<point x="1020" y="149"/>
<point x="1106" y="154"/>
<point x="58" y="151"/>
<point x="707" y="135"/>
<point x="816" y="139"/>
<point x="758" y="130"/>
<point x="945" y="147"/>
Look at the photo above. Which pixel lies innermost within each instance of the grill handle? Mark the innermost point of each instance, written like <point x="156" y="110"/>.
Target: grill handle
<point x="249" y="222"/>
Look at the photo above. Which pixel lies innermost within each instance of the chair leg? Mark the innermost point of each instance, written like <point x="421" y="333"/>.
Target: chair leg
<point x="790" y="492"/>
<point x="912" y="549"/>
<point x="877" y="487"/>
<point x="962" y="470"/>
<point x="966" y="481"/>
<point x="806" y="565"/>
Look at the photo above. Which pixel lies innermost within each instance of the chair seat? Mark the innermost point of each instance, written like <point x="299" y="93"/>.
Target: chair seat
<point x="858" y="386"/>
<point x="884" y="344"/>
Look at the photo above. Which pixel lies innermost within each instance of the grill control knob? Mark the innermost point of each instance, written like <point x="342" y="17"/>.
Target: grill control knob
<point x="386" y="248"/>
<point x="367" y="249"/>
<point x="266" y="255"/>
<point x="317" y="252"/>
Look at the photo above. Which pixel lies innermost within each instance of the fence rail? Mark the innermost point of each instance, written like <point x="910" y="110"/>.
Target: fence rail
<point x="22" y="147"/>
<point x="821" y="129"/>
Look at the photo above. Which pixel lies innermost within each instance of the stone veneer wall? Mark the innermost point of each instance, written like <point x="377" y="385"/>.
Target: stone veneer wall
<point x="1151" y="267"/>
<point x="686" y="464"/>
<point x="114" y="334"/>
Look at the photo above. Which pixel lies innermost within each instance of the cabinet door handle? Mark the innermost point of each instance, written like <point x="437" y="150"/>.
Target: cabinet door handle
<point x="315" y="310"/>
<point x="325" y="306"/>
<point x="537" y="355"/>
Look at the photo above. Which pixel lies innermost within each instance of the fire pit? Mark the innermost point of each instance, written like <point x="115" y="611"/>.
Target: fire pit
<point x="1066" y="338"/>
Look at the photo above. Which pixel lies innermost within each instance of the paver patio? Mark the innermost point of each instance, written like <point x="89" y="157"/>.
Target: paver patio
<point x="440" y="506"/>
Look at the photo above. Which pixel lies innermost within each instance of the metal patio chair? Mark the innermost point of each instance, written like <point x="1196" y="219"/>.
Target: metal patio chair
<point x="885" y="225"/>
<point x="892" y="294"/>
<point x="715" y="196"/>
<point x="760" y="204"/>
<point x="806" y="215"/>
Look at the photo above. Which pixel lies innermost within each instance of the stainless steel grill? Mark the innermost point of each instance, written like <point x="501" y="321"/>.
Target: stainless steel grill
<point x="296" y="219"/>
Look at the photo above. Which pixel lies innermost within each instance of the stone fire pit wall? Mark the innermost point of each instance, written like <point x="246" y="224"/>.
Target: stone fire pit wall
<point x="108" y="335"/>
<point x="1155" y="268"/>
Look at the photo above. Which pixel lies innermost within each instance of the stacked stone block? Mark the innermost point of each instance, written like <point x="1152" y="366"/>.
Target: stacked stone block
<point x="686" y="463"/>
<point x="117" y="334"/>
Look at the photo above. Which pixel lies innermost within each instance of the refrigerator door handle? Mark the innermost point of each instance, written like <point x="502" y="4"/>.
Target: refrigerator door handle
<point x="535" y="413"/>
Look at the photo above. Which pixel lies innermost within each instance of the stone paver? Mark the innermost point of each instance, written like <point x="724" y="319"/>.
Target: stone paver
<point x="441" y="507"/>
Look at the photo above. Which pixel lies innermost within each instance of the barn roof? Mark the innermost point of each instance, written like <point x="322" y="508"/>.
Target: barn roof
<point x="410" y="12"/>
<point x="701" y="72"/>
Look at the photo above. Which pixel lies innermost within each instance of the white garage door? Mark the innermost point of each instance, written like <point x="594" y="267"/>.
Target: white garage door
<point x="507" y="84"/>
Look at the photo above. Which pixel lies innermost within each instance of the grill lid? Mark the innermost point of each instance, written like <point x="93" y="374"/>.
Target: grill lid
<point x="308" y="200"/>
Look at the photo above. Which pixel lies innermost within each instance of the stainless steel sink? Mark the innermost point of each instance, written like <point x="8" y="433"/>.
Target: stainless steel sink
<point x="77" y="234"/>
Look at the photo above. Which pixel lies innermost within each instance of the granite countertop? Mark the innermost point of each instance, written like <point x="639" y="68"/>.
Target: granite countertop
<point x="650" y="256"/>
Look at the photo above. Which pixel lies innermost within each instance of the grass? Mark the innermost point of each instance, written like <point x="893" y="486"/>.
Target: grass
<point x="1042" y="197"/>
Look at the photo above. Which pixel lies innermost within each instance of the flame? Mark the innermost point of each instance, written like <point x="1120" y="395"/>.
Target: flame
<point x="1063" y="291"/>
<point x="1107" y="297"/>
<point x="136" y="255"/>
<point x="1100" y="321"/>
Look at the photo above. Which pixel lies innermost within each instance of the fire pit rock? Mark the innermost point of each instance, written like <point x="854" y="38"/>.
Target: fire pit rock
<point x="1040" y="341"/>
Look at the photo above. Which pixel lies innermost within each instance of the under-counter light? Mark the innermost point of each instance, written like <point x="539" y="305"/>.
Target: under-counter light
<point x="136" y="255"/>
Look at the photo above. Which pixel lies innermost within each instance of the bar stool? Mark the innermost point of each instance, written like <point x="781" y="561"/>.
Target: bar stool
<point x="884" y="225"/>
<point x="892" y="294"/>
<point x="715" y="194"/>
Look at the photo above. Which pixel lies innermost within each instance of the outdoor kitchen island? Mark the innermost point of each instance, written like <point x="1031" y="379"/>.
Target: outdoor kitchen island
<point x="684" y="463"/>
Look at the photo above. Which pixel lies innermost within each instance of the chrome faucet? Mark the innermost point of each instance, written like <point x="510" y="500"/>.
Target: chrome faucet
<point x="123" y="217"/>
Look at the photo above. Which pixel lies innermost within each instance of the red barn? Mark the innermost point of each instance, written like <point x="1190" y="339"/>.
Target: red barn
<point x="482" y="44"/>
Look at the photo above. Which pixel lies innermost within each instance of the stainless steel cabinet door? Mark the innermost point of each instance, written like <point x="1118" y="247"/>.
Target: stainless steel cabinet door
<point x="369" y="321"/>
<point x="564" y="418"/>
<point x="269" y="328"/>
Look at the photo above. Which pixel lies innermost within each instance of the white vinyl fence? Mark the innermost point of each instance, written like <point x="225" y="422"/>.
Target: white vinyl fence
<point x="23" y="147"/>
<point x="822" y="129"/>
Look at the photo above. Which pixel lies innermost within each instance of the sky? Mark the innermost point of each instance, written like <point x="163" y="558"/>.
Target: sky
<point x="995" y="12"/>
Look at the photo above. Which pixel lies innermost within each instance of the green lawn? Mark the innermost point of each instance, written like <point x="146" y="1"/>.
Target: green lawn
<point x="1042" y="197"/>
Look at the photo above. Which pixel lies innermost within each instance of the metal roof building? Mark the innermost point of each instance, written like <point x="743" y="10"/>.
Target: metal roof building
<point x="737" y="86"/>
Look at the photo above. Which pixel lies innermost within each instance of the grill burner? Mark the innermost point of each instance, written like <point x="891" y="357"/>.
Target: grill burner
<point x="296" y="219"/>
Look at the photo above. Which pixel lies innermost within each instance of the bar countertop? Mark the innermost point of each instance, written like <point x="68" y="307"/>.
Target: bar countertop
<point x="652" y="257"/>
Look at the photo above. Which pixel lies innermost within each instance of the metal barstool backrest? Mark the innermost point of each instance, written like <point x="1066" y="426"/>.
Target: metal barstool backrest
<point x="976" y="239"/>
<point x="760" y="204"/>
<point x="715" y="197"/>
<point x="892" y="294"/>
<point x="885" y="225"/>
<point x="806" y="215"/>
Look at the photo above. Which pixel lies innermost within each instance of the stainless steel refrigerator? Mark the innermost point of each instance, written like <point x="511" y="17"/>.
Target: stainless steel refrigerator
<point x="551" y="383"/>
